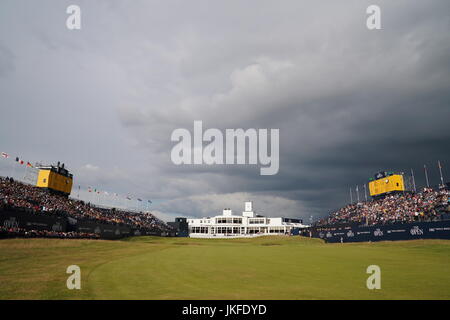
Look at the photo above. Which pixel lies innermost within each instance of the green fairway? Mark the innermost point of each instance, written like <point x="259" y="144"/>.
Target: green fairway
<point x="260" y="268"/>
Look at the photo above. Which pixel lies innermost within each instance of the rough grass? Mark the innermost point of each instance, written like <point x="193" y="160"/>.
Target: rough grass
<point x="260" y="268"/>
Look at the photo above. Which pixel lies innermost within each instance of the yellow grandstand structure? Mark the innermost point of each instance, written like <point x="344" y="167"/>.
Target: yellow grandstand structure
<point x="385" y="183"/>
<point x="55" y="178"/>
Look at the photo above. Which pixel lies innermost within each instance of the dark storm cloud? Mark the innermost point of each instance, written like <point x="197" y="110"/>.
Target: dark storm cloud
<point x="348" y="101"/>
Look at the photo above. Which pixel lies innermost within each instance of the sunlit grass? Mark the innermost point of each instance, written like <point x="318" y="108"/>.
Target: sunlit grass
<point x="259" y="268"/>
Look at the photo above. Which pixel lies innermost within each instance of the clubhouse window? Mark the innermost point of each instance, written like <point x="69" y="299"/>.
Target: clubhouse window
<point x="257" y="221"/>
<point x="199" y="230"/>
<point x="276" y="230"/>
<point x="253" y="230"/>
<point x="228" y="230"/>
<point x="229" y="220"/>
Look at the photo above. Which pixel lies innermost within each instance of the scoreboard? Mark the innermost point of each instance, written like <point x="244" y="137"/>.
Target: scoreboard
<point x="55" y="178"/>
<point x="386" y="183"/>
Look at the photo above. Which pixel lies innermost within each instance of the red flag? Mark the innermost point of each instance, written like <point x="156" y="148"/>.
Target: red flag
<point x="29" y="165"/>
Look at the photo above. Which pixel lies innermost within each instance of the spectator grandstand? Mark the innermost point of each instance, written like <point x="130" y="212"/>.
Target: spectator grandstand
<point x="427" y="205"/>
<point x="19" y="196"/>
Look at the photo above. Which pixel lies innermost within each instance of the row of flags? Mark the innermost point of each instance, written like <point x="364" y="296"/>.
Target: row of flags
<point x="18" y="160"/>
<point x="96" y="191"/>
<point x="90" y="189"/>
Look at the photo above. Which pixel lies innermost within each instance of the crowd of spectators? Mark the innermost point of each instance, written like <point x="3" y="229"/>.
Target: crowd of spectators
<point x="20" y="196"/>
<point x="6" y="232"/>
<point x="427" y="205"/>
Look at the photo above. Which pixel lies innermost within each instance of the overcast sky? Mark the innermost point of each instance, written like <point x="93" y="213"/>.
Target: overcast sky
<point x="348" y="101"/>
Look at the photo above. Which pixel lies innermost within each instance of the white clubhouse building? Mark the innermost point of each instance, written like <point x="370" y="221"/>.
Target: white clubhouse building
<point x="248" y="224"/>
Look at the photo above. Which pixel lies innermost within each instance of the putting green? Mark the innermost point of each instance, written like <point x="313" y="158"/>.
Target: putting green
<point x="260" y="268"/>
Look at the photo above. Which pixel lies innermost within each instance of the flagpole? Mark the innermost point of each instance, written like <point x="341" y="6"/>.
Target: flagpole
<point x="365" y="192"/>
<point x="351" y="196"/>
<point x="14" y="170"/>
<point x="413" y="180"/>
<point x="440" y="172"/>
<point x="426" y="175"/>
<point x="357" y="192"/>
<point x="25" y="174"/>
